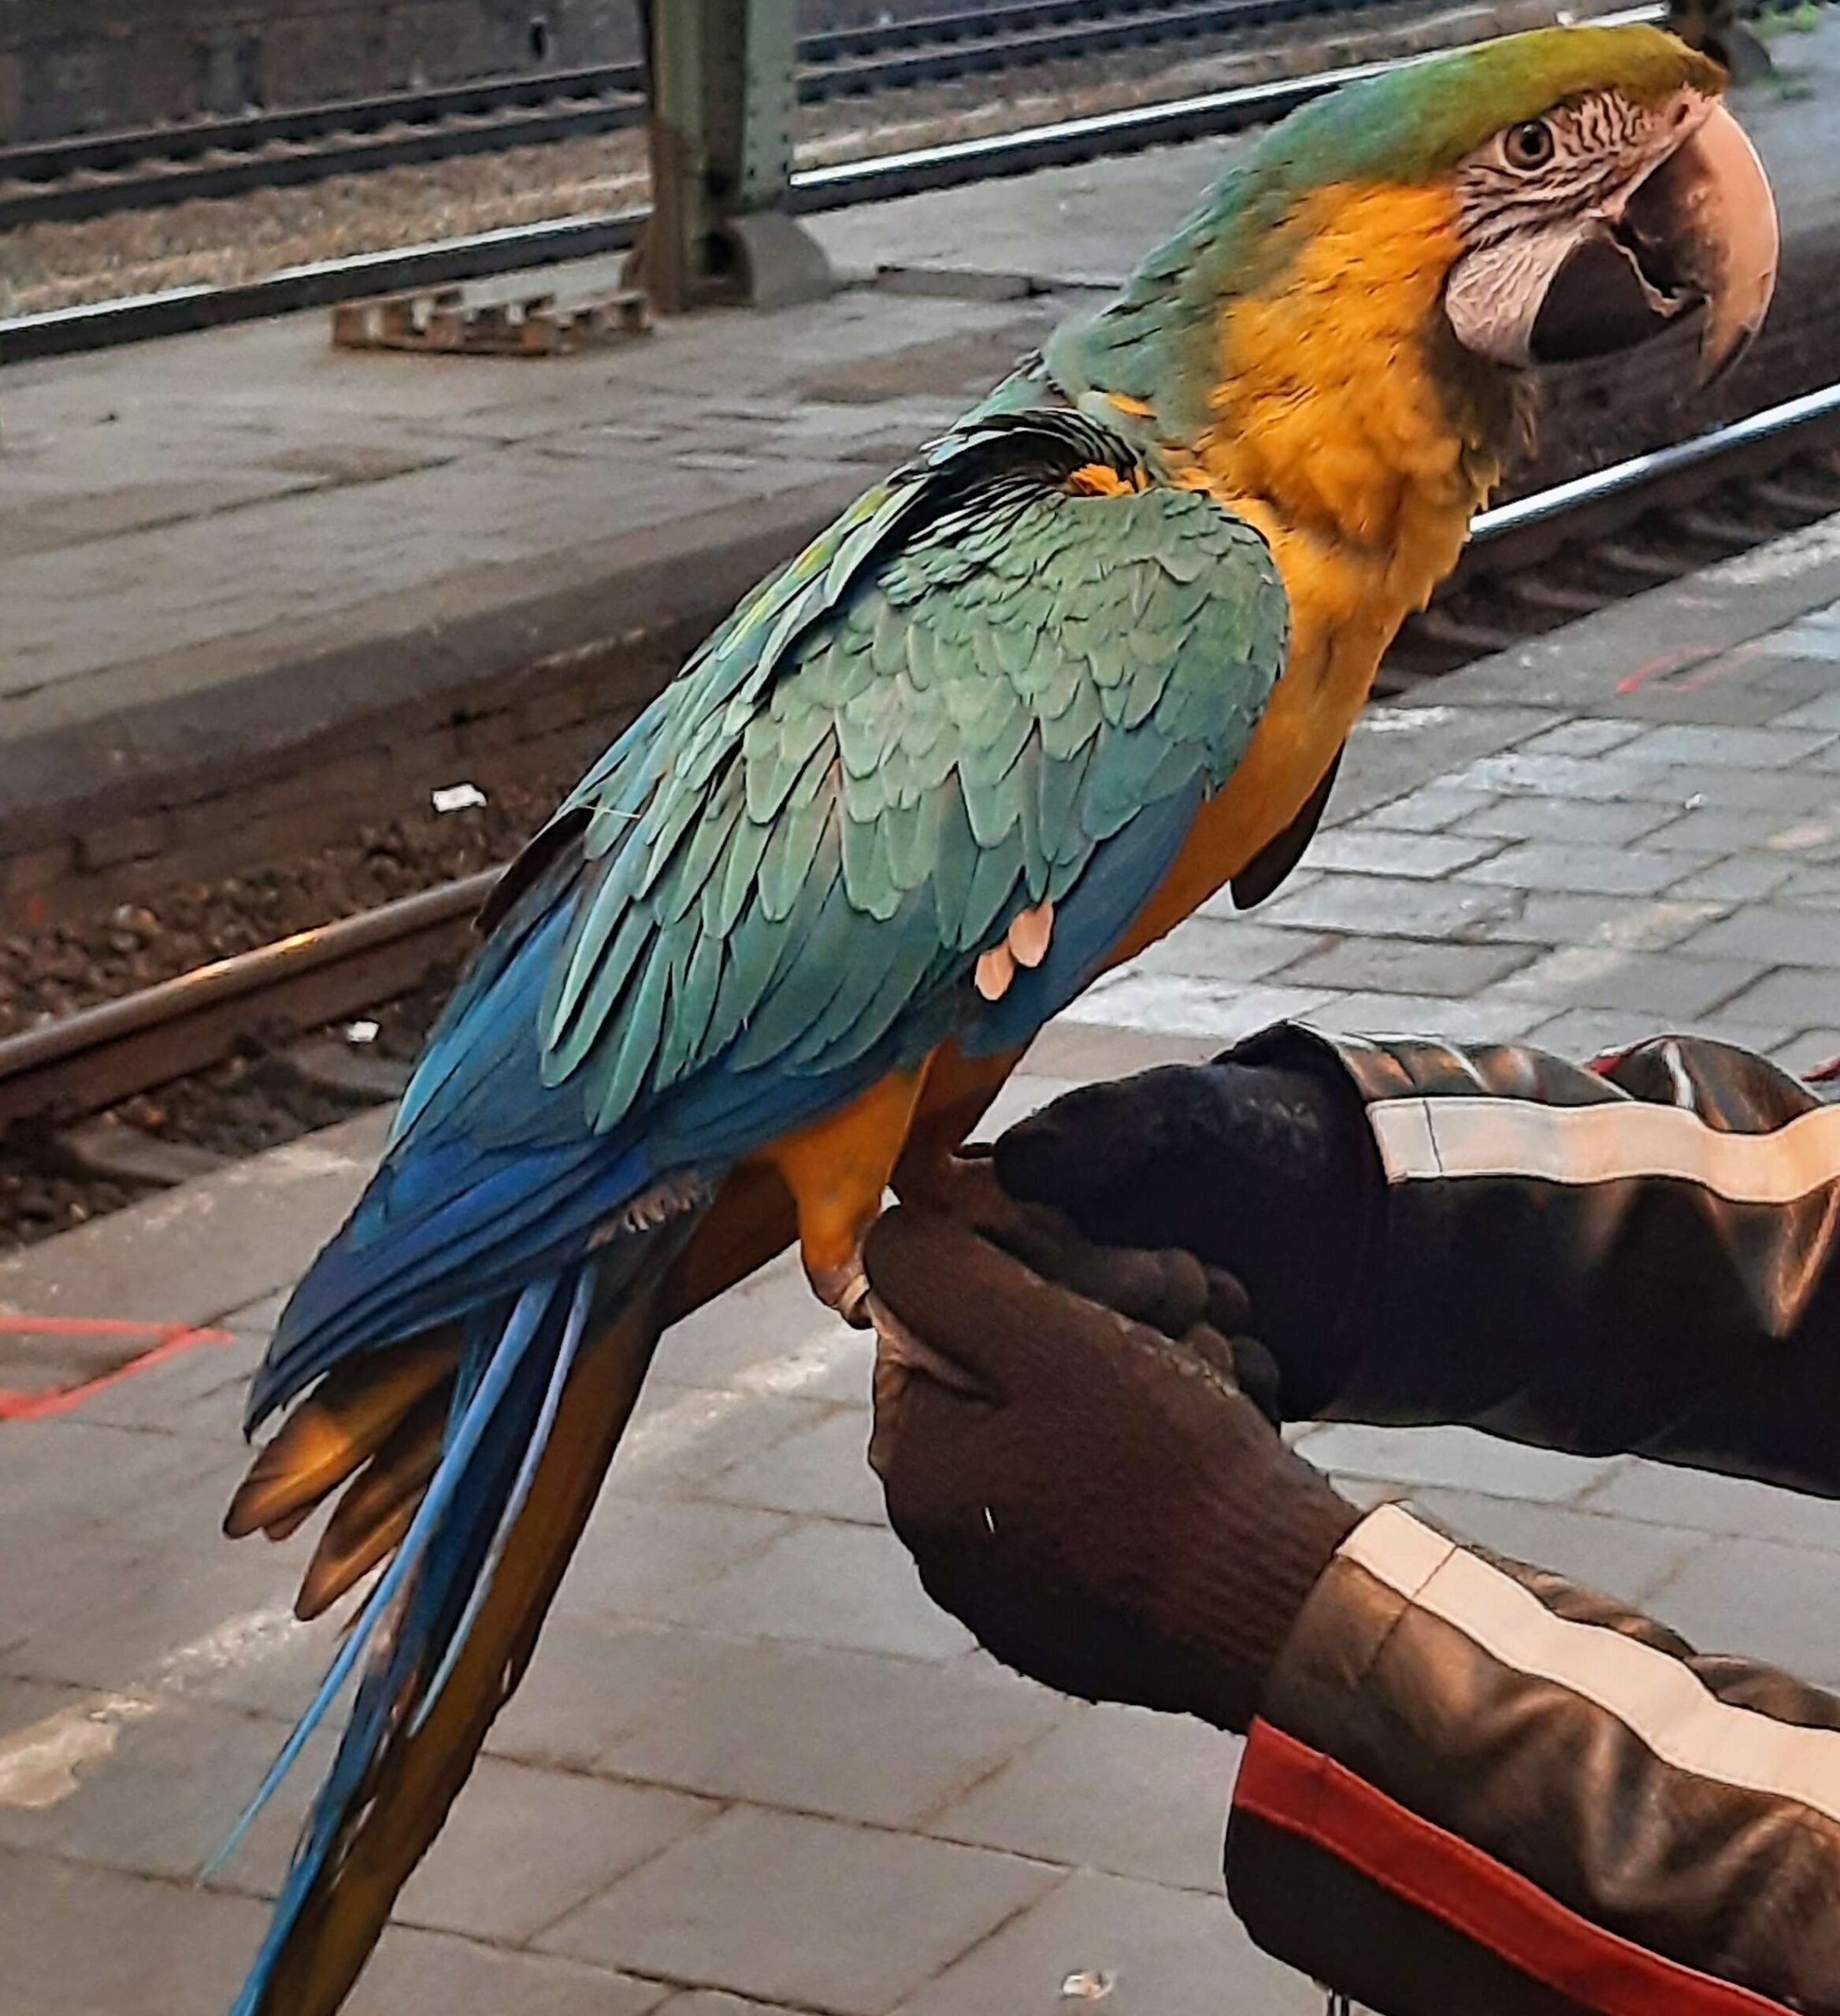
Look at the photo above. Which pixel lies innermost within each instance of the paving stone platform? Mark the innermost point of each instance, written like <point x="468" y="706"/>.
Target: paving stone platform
<point x="752" y="1769"/>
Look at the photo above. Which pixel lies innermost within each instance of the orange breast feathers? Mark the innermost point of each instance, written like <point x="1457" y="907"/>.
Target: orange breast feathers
<point x="1345" y="427"/>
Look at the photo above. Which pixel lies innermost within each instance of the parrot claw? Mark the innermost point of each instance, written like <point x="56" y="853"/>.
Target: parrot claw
<point x="844" y="1289"/>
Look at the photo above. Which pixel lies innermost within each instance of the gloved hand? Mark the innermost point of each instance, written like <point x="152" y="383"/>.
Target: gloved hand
<point x="1266" y="1170"/>
<point x="1099" y="1503"/>
<point x="1168" y="1287"/>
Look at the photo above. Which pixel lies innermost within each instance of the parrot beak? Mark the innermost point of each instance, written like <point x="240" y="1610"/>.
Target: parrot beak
<point x="1707" y="220"/>
<point x="1698" y="230"/>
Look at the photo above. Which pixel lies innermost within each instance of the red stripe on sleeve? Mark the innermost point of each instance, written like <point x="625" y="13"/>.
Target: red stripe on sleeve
<point x="1290" y="1786"/>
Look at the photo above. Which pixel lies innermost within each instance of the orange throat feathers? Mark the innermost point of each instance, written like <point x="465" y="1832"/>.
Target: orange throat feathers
<point x="1347" y="426"/>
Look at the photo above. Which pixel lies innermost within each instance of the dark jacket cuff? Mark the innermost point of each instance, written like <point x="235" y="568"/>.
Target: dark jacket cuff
<point x="1474" y="1787"/>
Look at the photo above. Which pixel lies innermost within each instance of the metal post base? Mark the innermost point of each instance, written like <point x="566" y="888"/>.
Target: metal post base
<point x="767" y="260"/>
<point x="777" y="262"/>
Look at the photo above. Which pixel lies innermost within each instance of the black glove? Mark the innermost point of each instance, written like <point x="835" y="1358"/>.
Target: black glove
<point x="1100" y="1503"/>
<point x="1267" y="1170"/>
<point x="1170" y="1288"/>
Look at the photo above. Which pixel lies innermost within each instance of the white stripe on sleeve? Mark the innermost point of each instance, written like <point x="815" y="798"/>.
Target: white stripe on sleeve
<point x="1655" y="1696"/>
<point x="1422" y="1139"/>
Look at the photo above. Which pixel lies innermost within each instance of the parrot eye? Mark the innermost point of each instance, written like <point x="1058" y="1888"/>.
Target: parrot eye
<point x="1528" y="145"/>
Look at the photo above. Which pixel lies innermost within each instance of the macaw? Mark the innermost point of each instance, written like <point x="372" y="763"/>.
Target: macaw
<point x="1086" y="659"/>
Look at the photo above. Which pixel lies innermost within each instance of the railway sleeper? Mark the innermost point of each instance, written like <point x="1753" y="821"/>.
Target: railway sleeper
<point x="108" y="1147"/>
<point x="1623" y="558"/>
<point x="1562" y="597"/>
<point x="347" y="1070"/>
<point x="1782" y="493"/>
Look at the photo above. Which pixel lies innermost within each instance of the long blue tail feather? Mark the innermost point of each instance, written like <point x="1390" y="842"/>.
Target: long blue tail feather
<point x="546" y="1420"/>
<point x="516" y="1360"/>
<point x="463" y="1439"/>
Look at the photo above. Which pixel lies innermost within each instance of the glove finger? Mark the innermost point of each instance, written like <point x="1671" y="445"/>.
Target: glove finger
<point x="1165" y="1287"/>
<point x="1068" y="1154"/>
<point x="1243" y="1362"/>
<point x="1033" y="1233"/>
<point x="1259" y="1379"/>
<point x="1213" y="1349"/>
<point x="1168" y="1289"/>
<point x="986" y="1311"/>
<point x="1229" y="1308"/>
<point x="965" y="1186"/>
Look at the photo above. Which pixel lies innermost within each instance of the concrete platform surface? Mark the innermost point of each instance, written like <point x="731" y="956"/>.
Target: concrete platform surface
<point x="751" y="1769"/>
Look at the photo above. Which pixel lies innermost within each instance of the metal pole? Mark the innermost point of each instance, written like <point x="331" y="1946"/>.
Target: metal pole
<point x="723" y="86"/>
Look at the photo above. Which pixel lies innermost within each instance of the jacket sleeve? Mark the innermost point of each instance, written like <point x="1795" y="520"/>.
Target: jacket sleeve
<point x="1474" y="1787"/>
<point x="1650" y="1247"/>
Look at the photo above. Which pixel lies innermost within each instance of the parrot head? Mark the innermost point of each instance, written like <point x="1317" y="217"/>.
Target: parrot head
<point x="1616" y="194"/>
<point x="1354" y="309"/>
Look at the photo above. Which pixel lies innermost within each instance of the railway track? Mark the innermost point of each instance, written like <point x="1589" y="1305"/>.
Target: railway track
<point x="1530" y="566"/>
<point x="61" y="181"/>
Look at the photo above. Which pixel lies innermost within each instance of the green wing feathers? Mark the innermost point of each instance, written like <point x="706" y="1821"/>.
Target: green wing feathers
<point x="930" y="721"/>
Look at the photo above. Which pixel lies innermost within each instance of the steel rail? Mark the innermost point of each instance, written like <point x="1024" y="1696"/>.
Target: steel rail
<point x="160" y="184"/>
<point x="106" y="154"/>
<point x="973" y="32"/>
<point x="1066" y="143"/>
<point x="1014" y="18"/>
<point x="1017" y="37"/>
<point x="1530" y="529"/>
<point x="82" y="1062"/>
